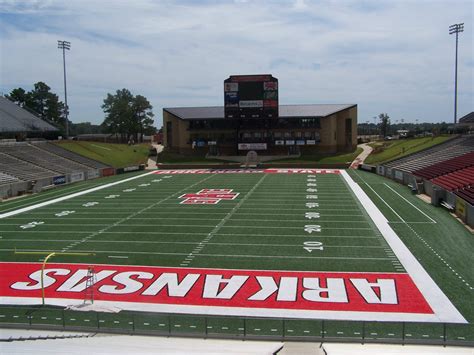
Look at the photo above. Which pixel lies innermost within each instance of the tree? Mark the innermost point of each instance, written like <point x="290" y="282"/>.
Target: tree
<point x="143" y="117"/>
<point x="384" y="124"/>
<point x="18" y="96"/>
<point x="41" y="101"/>
<point x="128" y="116"/>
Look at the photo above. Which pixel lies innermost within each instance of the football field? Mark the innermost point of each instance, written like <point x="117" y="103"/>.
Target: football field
<point x="273" y="243"/>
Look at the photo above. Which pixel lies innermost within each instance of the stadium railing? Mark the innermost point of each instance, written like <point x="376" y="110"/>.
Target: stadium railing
<point x="249" y="328"/>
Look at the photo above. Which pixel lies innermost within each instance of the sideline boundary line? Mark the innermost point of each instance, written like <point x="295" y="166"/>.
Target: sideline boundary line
<point x="67" y="197"/>
<point x="432" y="220"/>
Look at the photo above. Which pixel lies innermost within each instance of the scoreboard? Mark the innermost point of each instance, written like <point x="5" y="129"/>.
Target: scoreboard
<point x="251" y="96"/>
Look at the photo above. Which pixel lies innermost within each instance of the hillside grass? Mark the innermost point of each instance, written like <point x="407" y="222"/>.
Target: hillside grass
<point x="173" y="158"/>
<point x="116" y="155"/>
<point x="389" y="150"/>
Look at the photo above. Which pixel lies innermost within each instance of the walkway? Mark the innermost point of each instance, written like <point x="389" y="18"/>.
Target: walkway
<point x="362" y="156"/>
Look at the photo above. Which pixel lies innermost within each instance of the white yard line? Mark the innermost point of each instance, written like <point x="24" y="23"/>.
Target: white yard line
<point x="218" y="255"/>
<point x="92" y="235"/>
<point x="431" y="219"/>
<point x="439" y="303"/>
<point x="67" y="197"/>
<point x="202" y="233"/>
<point x="381" y="199"/>
<point x="98" y="146"/>
<point x="206" y="240"/>
<point x="186" y="243"/>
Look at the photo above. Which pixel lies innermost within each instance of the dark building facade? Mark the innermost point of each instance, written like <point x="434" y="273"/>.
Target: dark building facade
<point x="328" y="128"/>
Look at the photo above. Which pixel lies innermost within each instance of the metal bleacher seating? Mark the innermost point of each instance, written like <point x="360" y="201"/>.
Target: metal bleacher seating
<point x="21" y="169"/>
<point x="42" y="158"/>
<point x="458" y="180"/>
<point x="7" y="179"/>
<point x="446" y="167"/>
<point x="467" y="194"/>
<point x="53" y="148"/>
<point x="437" y="154"/>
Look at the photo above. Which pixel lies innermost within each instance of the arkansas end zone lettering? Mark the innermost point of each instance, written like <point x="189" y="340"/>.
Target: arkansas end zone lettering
<point x="221" y="291"/>
<point x="208" y="197"/>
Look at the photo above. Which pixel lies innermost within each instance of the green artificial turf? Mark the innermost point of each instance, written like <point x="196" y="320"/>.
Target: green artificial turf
<point x="263" y="228"/>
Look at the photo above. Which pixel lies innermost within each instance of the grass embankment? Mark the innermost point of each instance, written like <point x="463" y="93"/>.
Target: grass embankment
<point x="173" y="158"/>
<point x="324" y="159"/>
<point x="389" y="150"/>
<point x="116" y="155"/>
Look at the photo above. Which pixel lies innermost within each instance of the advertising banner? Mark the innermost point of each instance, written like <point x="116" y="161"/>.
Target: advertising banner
<point x="290" y="142"/>
<point x="131" y="168"/>
<point x="58" y="180"/>
<point x="108" y="172"/>
<point x="231" y="87"/>
<point x="310" y="142"/>
<point x="252" y="146"/>
<point x="251" y="103"/>
<point x="300" y="142"/>
<point x="280" y="142"/>
<point x="77" y="176"/>
<point x="270" y="85"/>
<point x="92" y="174"/>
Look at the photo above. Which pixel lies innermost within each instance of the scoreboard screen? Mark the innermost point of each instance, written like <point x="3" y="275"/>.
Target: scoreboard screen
<point x="251" y="96"/>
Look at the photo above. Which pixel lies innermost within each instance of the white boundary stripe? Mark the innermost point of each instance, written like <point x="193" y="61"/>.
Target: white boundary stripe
<point x="439" y="303"/>
<point x="67" y="197"/>
<point x="431" y="219"/>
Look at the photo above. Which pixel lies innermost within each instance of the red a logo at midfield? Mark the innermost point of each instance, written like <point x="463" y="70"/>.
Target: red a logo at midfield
<point x="208" y="197"/>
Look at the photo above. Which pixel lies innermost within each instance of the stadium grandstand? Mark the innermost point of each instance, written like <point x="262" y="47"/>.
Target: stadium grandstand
<point x="467" y="121"/>
<point x="445" y="172"/>
<point x="35" y="165"/>
<point x="15" y="120"/>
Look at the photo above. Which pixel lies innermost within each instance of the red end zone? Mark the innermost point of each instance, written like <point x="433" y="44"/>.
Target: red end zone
<point x="148" y="288"/>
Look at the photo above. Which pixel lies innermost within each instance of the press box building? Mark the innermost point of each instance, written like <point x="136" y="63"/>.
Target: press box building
<point x="252" y="119"/>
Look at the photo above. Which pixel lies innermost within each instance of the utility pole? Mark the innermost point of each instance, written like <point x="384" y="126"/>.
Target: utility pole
<point x="65" y="45"/>
<point x="456" y="28"/>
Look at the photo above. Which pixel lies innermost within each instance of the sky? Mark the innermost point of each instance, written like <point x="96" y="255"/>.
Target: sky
<point x="395" y="57"/>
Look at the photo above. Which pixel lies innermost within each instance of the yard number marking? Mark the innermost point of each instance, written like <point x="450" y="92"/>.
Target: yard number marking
<point x="90" y="204"/>
<point x="112" y="196"/>
<point x="31" y="225"/>
<point x="313" y="245"/>
<point x="312" y="204"/>
<point x="310" y="228"/>
<point x="63" y="213"/>
<point x="129" y="190"/>
<point x="311" y="215"/>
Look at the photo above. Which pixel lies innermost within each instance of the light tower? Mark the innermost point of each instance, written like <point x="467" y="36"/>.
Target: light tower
<point x="65" y="45"/>
<point x="456" y="28"/>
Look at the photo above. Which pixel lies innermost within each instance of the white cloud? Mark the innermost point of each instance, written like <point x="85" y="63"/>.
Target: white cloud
<point x="391" y="56"/>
